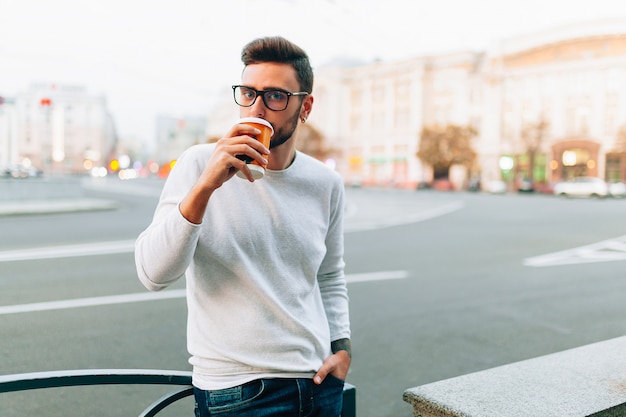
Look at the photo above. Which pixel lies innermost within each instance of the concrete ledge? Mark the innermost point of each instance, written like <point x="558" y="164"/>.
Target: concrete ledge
<point x="585" y="381"/>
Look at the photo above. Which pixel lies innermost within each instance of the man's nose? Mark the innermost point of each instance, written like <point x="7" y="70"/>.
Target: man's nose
<point x="258" y="109"/>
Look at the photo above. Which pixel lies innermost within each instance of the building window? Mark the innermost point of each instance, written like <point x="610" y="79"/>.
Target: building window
<point x="402" y="119"/>
<point x="356" y="97"/>
<point x="582" y="83"/>
<point x="507" y="122"/>
<point x="611" y="115"/>
<point x="614" y="80"/>
<point x="577" y="119"/>
<point x="356" y="124"/>
<point x="582" y="121"/>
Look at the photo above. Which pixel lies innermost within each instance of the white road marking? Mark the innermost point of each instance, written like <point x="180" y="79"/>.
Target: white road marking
<point x="67" y="251"/>
<point x="163" y="295"/>
<point x="355" y="224"/>
<point x="376" y="276"/>
<point x="604" y="251"/>
<point x="91" y="301"/>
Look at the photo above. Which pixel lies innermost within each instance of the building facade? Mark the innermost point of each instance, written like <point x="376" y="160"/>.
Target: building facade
<point x="560" y="101"/>
<point x="547" y="107"/>
<point x="375" y="113"/>
<point x="9" y="149"/>
<point x="56" y="129"/>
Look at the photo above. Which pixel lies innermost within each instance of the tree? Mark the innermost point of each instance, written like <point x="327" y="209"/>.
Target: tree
<point x="533" y="135"/>
<point x="312" y="142"/>
<point x="444" y="146"/>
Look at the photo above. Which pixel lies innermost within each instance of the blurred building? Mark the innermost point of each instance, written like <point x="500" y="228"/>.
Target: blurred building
<point x="9" y="149"/>
<point x="374" y="113"/>
<point x="175" y="134"/>
<point x="554" y="104"/>
<point x="223" y="115"/>
<point x="56" y="129"/>
<point x="547" y="106"/>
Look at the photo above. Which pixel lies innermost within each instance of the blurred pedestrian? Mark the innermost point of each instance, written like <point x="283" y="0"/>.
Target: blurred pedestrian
<point x="268" y="325"/>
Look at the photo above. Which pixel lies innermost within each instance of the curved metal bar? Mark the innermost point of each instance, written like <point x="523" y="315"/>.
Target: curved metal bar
<point x="54" y="379"/>
<point x="166" y="400"/>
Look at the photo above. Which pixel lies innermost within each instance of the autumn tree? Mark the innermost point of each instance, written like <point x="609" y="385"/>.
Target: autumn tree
<point x="444" y="146"/>
<point x="312" y="142"/>
<point x="533" y="135"/>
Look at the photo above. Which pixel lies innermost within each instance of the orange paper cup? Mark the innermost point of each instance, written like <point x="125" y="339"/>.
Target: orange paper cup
<point x="257" y="170"/>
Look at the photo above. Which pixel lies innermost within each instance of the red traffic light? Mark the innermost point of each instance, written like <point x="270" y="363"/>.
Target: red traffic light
<point x="46" y="102"/>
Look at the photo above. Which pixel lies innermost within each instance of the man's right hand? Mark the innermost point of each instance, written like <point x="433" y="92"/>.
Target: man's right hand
<point x="222" y="166"/>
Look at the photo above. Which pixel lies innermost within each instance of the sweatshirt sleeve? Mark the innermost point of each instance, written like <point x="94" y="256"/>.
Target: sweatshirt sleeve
<point x="331" y="277"/>
<point x="164" y="250"/>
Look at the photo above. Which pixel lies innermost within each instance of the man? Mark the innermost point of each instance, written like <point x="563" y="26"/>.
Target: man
<point x="268" y="327"/>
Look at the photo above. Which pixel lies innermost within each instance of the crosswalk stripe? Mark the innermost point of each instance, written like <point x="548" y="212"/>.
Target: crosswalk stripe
<point x="604" y="251"/>
<point x="162" y="295"/>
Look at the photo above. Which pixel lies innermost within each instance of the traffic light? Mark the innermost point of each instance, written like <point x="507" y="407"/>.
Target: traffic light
<point x="45" y="102"/>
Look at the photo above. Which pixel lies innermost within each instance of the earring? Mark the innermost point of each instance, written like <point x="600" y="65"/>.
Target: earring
<point x="303" y="120"/>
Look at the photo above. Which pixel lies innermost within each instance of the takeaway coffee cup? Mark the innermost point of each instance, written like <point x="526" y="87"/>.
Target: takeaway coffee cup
<point x="257" y="170"/>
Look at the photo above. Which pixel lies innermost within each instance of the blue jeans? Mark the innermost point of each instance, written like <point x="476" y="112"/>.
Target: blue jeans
<point x="273" y="397"/>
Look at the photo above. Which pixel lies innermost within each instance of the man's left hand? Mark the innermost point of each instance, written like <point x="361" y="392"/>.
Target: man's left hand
<point x="336" y="364"/>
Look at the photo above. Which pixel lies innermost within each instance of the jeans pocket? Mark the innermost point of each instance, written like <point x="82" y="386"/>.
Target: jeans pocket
<point x="235" y="398"/>
<point x="225" y="396"/>
<point x="333" y="379"/>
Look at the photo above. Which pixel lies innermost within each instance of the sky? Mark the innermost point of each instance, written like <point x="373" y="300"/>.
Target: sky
<point x="151" y="57"/>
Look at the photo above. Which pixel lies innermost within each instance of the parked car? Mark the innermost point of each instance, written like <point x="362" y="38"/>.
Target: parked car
<point x="20" y="171"/>
<point x="525" y="186"/>
<point x="582" y="187"/>
<point x="617" y="189"/>
<point x="544" y="187"/>
<point x="496" y="187"/>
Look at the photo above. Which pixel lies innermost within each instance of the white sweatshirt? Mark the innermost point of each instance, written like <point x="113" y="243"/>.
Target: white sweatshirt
<point x="266" y="291"/>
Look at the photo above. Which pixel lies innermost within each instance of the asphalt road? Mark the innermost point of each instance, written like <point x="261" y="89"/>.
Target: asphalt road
<point x="441" y="284"/>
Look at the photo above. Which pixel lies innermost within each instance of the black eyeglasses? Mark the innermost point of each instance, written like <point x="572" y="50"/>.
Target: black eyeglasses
<point x="274" y="99"/>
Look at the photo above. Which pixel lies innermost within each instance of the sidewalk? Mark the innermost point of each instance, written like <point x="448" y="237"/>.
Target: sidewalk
<point x="23" y="207"/>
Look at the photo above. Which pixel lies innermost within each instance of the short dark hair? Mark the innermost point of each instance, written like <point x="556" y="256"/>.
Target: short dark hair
<point x="280" y="50"/>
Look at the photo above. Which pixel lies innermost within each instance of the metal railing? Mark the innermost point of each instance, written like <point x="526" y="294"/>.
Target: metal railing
<point x="74" y="378"/>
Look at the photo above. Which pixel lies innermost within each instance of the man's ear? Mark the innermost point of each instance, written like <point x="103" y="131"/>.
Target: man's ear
<point x="307" y="106"/>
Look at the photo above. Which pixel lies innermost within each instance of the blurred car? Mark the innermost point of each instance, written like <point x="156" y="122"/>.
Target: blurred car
<point x="525" y="186"/>
<point x="497" y="187"/>
<point x="20" y="171"/>
<point x="443" y="184"/>
<point x="617" y="189"/>
<point x="544" y="187"/>
<point x="582" y="187"/>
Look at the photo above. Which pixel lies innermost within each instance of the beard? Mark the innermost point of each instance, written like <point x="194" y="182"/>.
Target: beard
<point x="285" y="132"/>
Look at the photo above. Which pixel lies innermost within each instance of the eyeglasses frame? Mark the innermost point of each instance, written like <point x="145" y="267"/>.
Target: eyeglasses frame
<point x="262" y="94"/>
